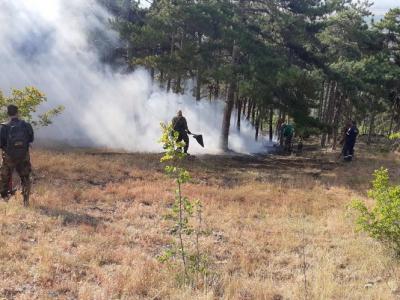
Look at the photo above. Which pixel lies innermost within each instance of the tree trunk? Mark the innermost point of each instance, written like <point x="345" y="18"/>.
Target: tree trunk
<point x="178" y="85"/>
<point x="325" y="112"/>
<point x="198" y="86"/>
<point x="216" y="90"/>
<point x="253" y="114"/>
<point x="244" y="104"/>
<point x="128" y="57"/>
<point x="271" y="130"/>
<point x="257" y="124"/>
<point x="171" y="54"/>
<point x="172" y="45"/>
<point x="230" y="101"/>
<point x="336" y="121"/>
<point x="249" y="107"/>
<point x="364" y="125"/>
<point x="321" y="102"/>
<point x="169" y="85"/>
<point x="391" y="121"/>
<point x="198" y="79"/>
<point x="239" y="114"/>
<point x="331" y="111"/>
<point x="371" y="128"/>
<point x="161" y="78"/>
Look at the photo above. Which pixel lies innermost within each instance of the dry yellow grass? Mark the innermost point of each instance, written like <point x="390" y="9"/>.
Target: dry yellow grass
<point x="278" y="228"/>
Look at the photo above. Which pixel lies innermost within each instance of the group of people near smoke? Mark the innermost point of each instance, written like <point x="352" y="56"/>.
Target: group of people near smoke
<point x="16" y="136"/>
<point x="285" y="134"/>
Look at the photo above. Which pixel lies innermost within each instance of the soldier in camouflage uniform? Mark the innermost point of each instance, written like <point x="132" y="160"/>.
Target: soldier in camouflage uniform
<point x="179" y="124"/>
<point x="15" y="138"/>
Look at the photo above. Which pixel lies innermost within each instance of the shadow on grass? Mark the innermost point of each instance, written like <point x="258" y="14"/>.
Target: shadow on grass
<point x="69" y="218"/>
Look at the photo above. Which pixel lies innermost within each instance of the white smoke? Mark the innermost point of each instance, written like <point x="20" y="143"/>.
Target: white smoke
<point x="44" y="43"/>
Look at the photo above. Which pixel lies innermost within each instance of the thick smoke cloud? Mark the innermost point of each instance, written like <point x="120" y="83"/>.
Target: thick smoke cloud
<point x="44" y="43"/>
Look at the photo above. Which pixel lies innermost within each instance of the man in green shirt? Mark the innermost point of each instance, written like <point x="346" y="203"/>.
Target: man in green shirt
<point x="288" y="133"/>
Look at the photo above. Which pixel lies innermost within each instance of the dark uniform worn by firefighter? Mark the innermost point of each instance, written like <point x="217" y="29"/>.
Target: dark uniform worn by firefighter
<point x="350" y="141"/>
<point x="179" y="124"/>
<point x="15" y="138"/>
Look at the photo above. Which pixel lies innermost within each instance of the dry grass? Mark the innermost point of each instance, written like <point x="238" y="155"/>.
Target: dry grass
<point x="96" y="227"/>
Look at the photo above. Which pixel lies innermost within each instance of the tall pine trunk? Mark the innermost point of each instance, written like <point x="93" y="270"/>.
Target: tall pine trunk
<point x="244" y="105"/>
<point x="325" y="98"/>
<point x="171" y="55"/>
<point x="391" y="120"/>
<point x="161" y="78"/>
<point x="253" y="114"/>
<point x="336" y="121"/>
<point x="239" y="114"/>
<point x="249" y="108"/>
<point x="198" y="75"/>
<point x="327" y="110"/>
<point x="230" y="101"/>
<point x="271" y="130"/>
<point x="216" y="90"/>
<point x="321" y="102"/>
<point x="371" y="128"/>
<point x="198" y="86"/>
<point x="178" y="88"/>
<point x="169" y="84"/>
<point x="257" y="124"/>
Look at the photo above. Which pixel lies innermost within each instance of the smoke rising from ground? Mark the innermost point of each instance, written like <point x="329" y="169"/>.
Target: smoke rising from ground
<point x="45" y="44"/>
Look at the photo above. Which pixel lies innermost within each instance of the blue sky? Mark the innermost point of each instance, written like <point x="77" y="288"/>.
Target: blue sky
<point x="382" y="6"/>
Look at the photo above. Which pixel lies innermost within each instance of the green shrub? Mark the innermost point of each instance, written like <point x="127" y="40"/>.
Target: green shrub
<point x="382" y="222"/>
<point x="28" y="100"/>
<point x="394" y="136"/>
<point x="182" y="213"/>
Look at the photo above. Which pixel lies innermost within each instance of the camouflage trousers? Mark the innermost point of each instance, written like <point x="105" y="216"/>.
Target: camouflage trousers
<point x="23" y="168"/>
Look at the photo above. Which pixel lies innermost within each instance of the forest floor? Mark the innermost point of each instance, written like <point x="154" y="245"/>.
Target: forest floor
<point x="276" y="227"/>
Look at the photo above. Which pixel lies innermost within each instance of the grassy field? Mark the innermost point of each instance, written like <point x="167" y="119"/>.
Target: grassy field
<point x="277" y="228"/>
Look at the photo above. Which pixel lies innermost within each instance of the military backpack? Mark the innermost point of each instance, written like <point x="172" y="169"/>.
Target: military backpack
<point x="17" y="140"/>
